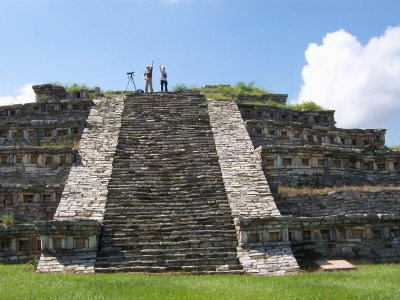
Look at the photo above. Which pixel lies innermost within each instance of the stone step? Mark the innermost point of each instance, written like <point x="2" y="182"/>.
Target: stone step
<point x="210" y="264"/>
<point x="184" y="269"/>
<point x="163" y="258"/>
<point x="173" y="243"/>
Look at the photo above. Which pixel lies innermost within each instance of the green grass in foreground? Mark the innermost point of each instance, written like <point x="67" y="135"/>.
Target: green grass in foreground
<point x="367" y="282"/>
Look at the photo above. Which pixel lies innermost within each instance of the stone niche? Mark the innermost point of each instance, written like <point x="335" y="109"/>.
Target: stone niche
<point x="358" y="236"/>
<point x="255" y="232"/>
<point x="19" y="243"/>
<point x="272" y="132"/>
<point x="325" y="166"/>
<point x="29" y="205"/>
<point x="68" y="245"/>
<point x="71" y="235"/>
<point x="50" y="159"/>
<point x="306" y="118"/>
<point x="376" y="237"/>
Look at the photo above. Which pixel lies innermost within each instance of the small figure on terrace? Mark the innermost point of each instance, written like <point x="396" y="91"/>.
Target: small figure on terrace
<point x="148" y="74"/>
<point x="163" y="79"/>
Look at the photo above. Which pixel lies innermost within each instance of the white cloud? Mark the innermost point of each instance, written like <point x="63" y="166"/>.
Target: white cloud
<point x="360" y="82"/>
<point x="24" y="94"/>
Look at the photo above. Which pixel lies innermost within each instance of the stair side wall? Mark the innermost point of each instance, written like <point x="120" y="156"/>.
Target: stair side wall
<point x="69" y="244"/>
<point x="248" y="191"/>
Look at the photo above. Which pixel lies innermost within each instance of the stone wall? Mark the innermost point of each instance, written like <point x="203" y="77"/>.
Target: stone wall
<point x="85" y="192"/>
<point x="271" y="132"/>
<point x="306" y="117"/>
<point x="379" y="201"/>
<point x="43" y="124"/>
<point x="277" y="98"/>
<point x="247" y="189"/>
<point x="304" y="148"/>
<point x="327" y="166"/>
<point x="35" y="165"/>
<point x="375" y="237"/>
<point x="68" y="246"/>
<point x="19" y="243"/>
<point x="55" y="111"/>
<point x="84" y="196"/>
<point x="37" y="142"/>
<point x="29" y="203"/>
<point x="49" y="92"/>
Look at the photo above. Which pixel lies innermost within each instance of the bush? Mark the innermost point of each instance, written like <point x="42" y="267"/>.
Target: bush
<point x="180" y="88"/>
<point x="7" y="218"/>
<point x="76" y="87"/>
<point x="397" y="148"/>
<point x="309" y="105"/>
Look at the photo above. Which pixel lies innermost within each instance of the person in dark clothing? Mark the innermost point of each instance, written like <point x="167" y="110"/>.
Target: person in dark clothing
<point x="163" y="79"/>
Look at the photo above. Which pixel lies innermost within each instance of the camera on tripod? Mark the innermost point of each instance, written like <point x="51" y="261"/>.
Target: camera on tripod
<point x="130" y="80"/>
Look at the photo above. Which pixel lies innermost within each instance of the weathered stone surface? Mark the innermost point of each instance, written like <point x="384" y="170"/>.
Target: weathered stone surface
<point x="247" y="189"/>
<point x="304" y="148"/>
<point x="49" y="92"/>
<point x="85" y="194"/>
<point x="174" y="195"/>
<point x="167" y="209"/>
<point x="335" y="264"/>
<point x="36" y="153"/>
<point x="378" y="201"/>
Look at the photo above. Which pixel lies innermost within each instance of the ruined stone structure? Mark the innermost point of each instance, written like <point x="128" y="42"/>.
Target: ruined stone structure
<point x="37" y="143"/>
<point x="175" y="182"/>
<point x="305" y="148"/>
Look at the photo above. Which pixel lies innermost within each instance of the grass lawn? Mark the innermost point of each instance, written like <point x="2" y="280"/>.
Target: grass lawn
<point x="367" y="282"/>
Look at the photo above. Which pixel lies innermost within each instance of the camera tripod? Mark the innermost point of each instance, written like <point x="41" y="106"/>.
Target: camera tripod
<point x="130" y="79"/>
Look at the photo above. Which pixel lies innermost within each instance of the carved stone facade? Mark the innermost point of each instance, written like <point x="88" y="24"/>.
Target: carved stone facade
<point x="38" y="144"/>
<point x="304" y="148"/>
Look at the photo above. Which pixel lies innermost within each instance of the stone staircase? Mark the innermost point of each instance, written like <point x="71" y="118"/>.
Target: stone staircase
<point x="167" y="209"/>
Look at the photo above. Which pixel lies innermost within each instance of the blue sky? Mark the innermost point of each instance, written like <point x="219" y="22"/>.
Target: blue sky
<point x="352" y="46"/>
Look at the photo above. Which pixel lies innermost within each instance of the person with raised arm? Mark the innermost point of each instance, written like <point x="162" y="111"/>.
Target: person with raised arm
<point x="148" y="78"/>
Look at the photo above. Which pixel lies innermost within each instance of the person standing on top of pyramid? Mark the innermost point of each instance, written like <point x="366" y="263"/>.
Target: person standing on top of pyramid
<point x="148" y="78"/>
<point x="163" y="78"/>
